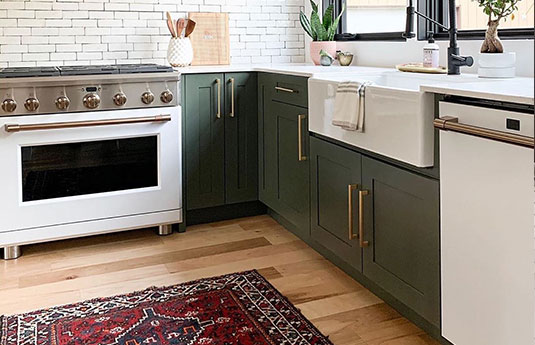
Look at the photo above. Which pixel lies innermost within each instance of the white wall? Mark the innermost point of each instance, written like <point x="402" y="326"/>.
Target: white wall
<point x="58" y="32"/>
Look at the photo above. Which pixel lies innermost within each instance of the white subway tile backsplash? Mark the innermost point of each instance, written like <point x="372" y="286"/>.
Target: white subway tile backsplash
<point x="76" y="32"/>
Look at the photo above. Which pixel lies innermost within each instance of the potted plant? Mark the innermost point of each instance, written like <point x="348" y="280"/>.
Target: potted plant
<point x="322" y="33"/>
<point x="493" y="62"/>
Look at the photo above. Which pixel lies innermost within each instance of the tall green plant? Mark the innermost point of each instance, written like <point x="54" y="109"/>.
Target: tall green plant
<point x="496" y="10"/>
<point x="318" y="30"/>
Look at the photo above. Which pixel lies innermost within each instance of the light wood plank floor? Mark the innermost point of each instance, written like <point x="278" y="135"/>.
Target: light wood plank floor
<point x="75" y="270"/>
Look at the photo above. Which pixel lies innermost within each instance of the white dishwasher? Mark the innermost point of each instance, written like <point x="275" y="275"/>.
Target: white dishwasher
<point x="487" y="224"/>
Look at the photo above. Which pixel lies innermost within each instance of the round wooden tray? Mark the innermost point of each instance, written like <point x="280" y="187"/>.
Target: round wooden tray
<point x="419" y="68"/>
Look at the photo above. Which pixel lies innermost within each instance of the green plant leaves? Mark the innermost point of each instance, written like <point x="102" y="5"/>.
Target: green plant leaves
<point x="317" y="27"/>
<point x="328" y="17"/>
<point x="314" y="6"/>
<point x="317" y="30"/>
<point x="305" y="23"/>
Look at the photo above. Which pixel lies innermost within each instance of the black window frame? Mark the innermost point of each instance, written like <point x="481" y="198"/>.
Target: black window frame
<point x="436" y="9"/>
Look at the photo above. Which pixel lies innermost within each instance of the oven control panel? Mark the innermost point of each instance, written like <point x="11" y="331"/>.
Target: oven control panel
<point x="91" y="97"/>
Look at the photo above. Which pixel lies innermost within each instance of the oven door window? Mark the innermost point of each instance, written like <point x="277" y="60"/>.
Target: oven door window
<point x="65" y="170"/>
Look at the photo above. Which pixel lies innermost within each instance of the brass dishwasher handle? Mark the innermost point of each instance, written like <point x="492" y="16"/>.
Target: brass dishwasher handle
<point x="300" y="119"/>
<point x="92" y="123"/>
<point x="232" y="100"/>
<point x="350" y="189"/>
<point x="362" y="194"/>
<point x="283" y="89"/>
<point x="450" y="123"/>
<point x="218" y="82"/>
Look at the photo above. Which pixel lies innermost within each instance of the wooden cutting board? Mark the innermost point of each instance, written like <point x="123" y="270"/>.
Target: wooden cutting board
<point x="210" y="40"/>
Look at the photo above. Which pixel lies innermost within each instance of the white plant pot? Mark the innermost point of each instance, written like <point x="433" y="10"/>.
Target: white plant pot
<point x="497" y="65"/>
<point x="180" y="52"/>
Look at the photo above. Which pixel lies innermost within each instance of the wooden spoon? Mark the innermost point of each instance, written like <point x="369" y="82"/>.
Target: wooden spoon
<point x="170" y="25"/>
<point x="180" y="26"/>
<point x="190" y="27"/>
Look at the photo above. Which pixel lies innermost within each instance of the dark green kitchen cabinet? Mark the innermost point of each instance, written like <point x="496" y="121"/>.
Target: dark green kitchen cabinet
<point x="284" y="184"/>
<point x="335" y="182"/>
<point x="220" y="131"/>
<point x="401" y="224"/>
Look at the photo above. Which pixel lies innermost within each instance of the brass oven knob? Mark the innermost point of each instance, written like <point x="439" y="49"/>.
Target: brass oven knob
<point x="31" y="104"/>
<point x="62" y="102"/>
<point x="119" y="99"/>
<point x="9" y="105"/>
<point x="166" y="96"/>
<point x="91" y="101"/>
<point x="147" y="97"/>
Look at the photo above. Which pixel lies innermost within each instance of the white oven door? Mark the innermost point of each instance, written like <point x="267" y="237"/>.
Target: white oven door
<point x="75" y="167"/>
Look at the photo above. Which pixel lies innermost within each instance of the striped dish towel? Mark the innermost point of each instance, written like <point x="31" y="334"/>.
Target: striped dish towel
<point x="349" y="106"/>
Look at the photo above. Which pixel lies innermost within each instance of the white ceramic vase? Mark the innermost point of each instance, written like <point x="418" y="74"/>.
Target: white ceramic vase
<point x="497" y="65"/>
<point x="180" y="52"/>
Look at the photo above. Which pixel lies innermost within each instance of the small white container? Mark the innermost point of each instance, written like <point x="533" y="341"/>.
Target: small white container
<point x="431" y="53"/>
<point x="180" y="52"/>
<point x="497" y="65"/>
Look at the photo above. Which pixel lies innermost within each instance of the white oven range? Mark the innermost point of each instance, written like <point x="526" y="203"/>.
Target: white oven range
<point x="108" y="161"/>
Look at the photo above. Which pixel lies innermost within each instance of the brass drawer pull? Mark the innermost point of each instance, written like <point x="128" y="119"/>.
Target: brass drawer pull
<point x="362" y="194"/>
<point x="93" y="123"/>
<point x="283" y="89"/>
<point x="300" y="119"/>
<point x="350" y="189"/>
<point x="218" y="82"/>
<point x="232" y="99"/>
<point x="450" y="123"/>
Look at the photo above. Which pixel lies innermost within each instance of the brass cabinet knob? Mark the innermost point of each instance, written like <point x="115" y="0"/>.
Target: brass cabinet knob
<point x="166" y="96"/>
<point x="91" y="101"/>
<point x="119" y="99"/>
<point x="147" y="97"/>
<point x="31" y="104"/>
<point x="9" y="105"/>
<point x="62" y="103"/>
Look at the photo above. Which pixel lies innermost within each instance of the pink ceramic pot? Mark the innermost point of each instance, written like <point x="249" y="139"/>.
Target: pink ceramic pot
<point x="317" y="46"/>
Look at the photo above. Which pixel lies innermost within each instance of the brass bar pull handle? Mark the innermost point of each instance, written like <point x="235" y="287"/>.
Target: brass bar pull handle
<point x="450" y="123"/>
<point x="283" y="89"/>
<point x="218" y="82"/>
<point x="78" y="124"/>
<point x="232" y="99"/>
<point x="362" y="194"/>
<point x="300" y="119"/>
<point x="350" y="189"/>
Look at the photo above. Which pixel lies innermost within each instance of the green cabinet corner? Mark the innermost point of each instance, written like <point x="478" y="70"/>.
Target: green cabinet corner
<point x="220" y="130"/>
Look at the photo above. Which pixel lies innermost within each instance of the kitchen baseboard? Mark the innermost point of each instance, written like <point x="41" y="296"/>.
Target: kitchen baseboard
<point x="225" y="212"/>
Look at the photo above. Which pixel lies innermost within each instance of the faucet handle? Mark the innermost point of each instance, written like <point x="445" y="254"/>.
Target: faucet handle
<point x="463" y="60"/>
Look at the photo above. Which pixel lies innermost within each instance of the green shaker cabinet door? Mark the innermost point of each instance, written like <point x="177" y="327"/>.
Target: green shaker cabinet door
<point x="241" y="137"/>
<point x="285" y="180"/>
<point x="401" y="223"/>
<point x="335" y="181"/>
<point x="205" y="140"/>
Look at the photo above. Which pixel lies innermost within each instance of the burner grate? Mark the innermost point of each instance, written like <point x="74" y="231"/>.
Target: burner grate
<point x="22" y="72"/>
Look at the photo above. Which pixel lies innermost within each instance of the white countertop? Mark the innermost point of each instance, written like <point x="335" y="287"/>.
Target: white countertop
<point x="516" y="90"/>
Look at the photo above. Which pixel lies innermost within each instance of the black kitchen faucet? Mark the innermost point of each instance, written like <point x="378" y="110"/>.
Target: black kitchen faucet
<point x="455" y="61"/>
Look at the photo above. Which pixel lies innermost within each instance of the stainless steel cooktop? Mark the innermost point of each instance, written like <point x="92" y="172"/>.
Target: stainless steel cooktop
<point x="48" y="90"/>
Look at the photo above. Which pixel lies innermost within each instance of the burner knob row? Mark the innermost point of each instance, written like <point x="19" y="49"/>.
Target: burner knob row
<point x="91" y="101"/>
<point x="147" y="97"/>
<point x="120" y="99"/>
<point x="9" y="105"/>
<point x="31" y="104"/>
<point x="62" y="102"/>
<point x="166" y="96"/>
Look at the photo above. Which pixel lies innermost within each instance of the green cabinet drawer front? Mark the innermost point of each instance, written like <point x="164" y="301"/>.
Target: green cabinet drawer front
<point x="241" y="137"/>
<point x="333" y="171"/>
<point x="288" y="89"/>
<point x="205" y="141"/>
<point x="401" y="223"/>
<point x="284" y="177"/>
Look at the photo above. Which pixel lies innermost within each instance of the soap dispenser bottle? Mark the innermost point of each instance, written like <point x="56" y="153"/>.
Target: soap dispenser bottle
<point x="431" y="53"/>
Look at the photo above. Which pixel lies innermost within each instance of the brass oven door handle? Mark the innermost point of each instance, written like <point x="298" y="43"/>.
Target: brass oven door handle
<point x="232" y="98"/>
<point x="284" y="89"/>
<point x="218" y="82"/>
<point x="362" y="194"/>
<point x="450" y="123"/>
<point x="13" y="128"/>
<point x="300" y="119"/>
<point x="350" y="189"/>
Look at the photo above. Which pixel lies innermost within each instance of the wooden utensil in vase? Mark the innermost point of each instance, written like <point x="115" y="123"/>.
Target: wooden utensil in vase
<point x="190" y="27"/>
<point x="170" y="25"/>
<point x="181" y="23"/>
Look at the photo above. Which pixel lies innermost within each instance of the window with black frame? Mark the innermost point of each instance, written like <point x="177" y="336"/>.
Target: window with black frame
<point x="385" y="19"/>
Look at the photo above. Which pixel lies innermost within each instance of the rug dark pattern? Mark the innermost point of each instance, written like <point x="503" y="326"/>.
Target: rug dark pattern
<point x="240" y="308"/>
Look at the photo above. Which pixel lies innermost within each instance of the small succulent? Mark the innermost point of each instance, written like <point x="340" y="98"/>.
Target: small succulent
<point x="314" y="27"/>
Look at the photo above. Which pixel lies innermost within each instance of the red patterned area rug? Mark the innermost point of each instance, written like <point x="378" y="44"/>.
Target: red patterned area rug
<point x="241" y="309"/>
